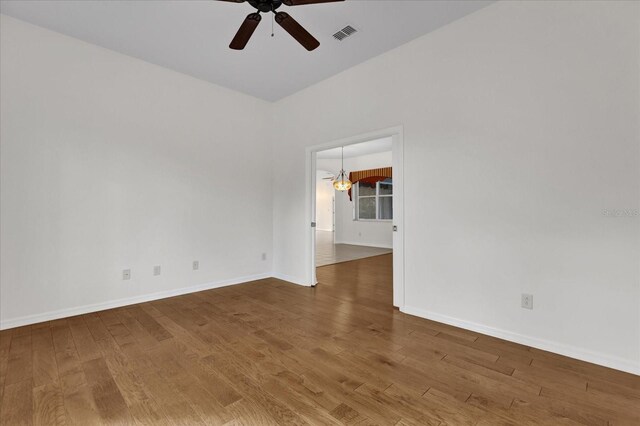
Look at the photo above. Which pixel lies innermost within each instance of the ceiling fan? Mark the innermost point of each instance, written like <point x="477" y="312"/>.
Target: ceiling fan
<point x="283" y="19"/>
<point x="330" y="177"/>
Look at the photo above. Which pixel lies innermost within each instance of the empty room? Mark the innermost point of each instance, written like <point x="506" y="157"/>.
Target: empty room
<point x="354" y="210"/>
<point x="319" y="212"/>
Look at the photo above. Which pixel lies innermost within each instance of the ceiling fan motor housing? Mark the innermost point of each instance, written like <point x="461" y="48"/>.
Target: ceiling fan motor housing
<point x="266" y="5"/>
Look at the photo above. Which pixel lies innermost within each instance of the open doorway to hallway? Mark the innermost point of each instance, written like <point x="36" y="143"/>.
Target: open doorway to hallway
<point x="357" y="222"/>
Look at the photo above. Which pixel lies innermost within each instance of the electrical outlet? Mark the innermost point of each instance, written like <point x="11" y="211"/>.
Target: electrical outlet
<point x="527" y="301"/>
<point x="264" y="256"/>
<point x="196" y="265"/>
<point x="126" y="274"/>
<point x="156" y="270"/>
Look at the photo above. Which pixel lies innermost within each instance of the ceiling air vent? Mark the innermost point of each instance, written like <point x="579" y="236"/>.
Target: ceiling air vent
<point x="344" y="33"/>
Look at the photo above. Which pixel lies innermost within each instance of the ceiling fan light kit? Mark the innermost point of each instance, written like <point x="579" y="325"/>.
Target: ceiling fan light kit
<point x="283" y="19"/>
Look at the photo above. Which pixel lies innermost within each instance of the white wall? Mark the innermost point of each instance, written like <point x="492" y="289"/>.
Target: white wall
<point x="111" y="163"/>
<point x="349" y="231"/>
<point x="521" y="125"/>
<point x="324" y="201"/>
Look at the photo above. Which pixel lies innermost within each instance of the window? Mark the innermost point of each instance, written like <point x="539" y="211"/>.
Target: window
<point x="374" y="201"/>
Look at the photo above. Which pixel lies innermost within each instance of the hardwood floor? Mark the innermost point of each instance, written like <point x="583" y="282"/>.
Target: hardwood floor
<point x="328" y="253"/>
<point x="269" y="352"/>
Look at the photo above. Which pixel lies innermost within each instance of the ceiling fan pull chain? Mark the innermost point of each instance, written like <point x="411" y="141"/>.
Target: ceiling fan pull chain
<point x="283" y="19"/>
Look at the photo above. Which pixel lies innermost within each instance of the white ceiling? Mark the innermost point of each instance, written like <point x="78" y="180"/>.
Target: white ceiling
<point x="358" y="149"/>
<point x="192" y="37"/>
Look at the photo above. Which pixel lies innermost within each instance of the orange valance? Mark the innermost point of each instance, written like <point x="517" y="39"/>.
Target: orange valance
<point x="370" y="176"/>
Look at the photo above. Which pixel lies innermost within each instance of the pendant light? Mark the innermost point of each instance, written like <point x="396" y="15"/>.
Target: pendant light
<point x="341" y="182"/>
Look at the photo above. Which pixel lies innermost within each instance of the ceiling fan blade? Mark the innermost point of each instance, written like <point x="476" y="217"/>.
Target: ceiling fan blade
<point x="296" y="30"/>
<point x="303" y="2"/>
<point x="246" y="30"/>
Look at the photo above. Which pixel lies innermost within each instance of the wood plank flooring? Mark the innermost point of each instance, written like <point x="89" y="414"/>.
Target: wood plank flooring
<point x="269" y="352"/>
<point x="328" y="253"/>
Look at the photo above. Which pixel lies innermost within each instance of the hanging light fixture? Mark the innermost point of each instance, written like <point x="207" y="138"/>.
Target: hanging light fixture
<point x="341" y="182"/>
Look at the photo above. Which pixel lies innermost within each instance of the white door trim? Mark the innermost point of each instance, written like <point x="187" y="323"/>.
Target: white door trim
<point x="397" y="135"/>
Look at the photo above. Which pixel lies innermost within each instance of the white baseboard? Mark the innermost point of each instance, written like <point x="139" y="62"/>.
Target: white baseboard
<point x="559" y="348"/>
<point x="290" y="279"/>
<point x="555" y="347"/>
<point x="359" y="243"/>
<point x="79" y="310"/>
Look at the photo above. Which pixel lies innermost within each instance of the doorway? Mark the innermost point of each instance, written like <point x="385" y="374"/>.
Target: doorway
<point x="355" y="223"/>
<point x="368" y="220"/>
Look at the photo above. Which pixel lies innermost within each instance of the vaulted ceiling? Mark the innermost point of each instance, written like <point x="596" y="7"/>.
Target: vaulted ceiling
<point x="192" y="37"/>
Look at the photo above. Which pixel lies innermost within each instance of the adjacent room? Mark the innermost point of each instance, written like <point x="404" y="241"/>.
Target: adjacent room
<point x="319" y="212"/>
<point x="354" y="202"/>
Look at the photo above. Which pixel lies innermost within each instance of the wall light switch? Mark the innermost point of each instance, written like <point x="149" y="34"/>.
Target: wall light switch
<point x="156" y="270"/>
<point x="196" y="265"/>
<point x="264" y="256"/>
<point x="126" y="274"/>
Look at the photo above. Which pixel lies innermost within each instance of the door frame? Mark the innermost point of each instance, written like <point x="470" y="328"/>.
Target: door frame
<point x="397" y="135"/>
